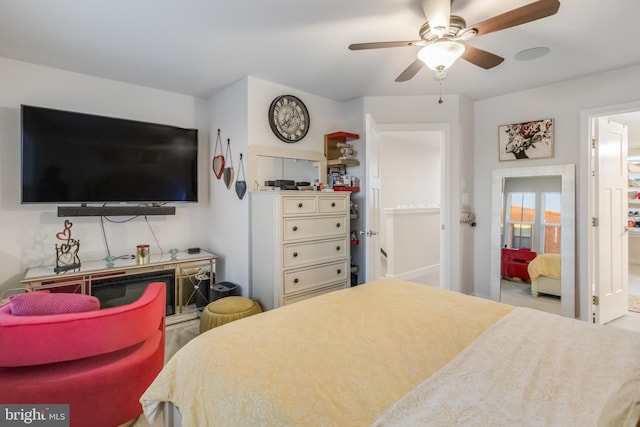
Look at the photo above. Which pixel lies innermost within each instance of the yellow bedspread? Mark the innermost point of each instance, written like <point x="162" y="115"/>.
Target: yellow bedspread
<point x="340" y="359"/>
<point x="548" y="265"/>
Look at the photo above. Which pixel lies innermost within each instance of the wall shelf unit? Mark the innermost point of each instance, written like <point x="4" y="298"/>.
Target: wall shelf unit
<point x="340" y="156"/>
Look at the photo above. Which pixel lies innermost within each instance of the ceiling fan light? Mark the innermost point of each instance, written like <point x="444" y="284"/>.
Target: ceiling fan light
<point x="441" y="54"/>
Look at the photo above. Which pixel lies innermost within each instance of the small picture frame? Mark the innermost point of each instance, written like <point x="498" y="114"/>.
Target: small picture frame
<point x="526" y="140"/>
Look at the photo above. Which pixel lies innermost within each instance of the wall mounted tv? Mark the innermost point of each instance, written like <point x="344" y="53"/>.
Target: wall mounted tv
<point x="70" y="157"/>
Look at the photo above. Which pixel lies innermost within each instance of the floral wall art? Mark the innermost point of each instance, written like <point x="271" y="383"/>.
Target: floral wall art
<point x="527" y="140"/>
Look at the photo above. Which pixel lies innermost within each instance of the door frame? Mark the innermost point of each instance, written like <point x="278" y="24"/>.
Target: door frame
<point x="587" y="205"/>
<point x="445" y="187"/>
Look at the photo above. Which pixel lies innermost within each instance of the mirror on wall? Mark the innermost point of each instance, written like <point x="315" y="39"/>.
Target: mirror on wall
<point x="269" y="163"/>
<point x="533" y="222"/>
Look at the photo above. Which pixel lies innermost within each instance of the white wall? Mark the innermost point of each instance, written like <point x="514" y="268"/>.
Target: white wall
<point x="227" y="229"/>
<point x="27" y="232"/>
<point x="564" y="102"/>
<point x="410" y="169"/>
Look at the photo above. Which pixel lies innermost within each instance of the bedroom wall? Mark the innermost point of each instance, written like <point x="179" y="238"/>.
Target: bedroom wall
<point x="564" y="102"/>
<point x="27" y="232"/>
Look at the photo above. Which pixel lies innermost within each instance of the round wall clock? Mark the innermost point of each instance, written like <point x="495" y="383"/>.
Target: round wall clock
<point x="289" y="118"/>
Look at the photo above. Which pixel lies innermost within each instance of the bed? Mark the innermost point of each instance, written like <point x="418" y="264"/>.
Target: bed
<point x="545" y="271"/>
<point x="393" y="353"/>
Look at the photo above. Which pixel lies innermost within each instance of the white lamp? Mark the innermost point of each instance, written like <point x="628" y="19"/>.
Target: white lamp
<point x="441" y="54"/>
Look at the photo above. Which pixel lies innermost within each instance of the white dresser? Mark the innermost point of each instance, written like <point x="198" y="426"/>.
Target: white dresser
<point x="299" y="245"/>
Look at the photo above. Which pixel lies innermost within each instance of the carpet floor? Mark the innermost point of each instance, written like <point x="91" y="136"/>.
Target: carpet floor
<point x="634" y="303"/>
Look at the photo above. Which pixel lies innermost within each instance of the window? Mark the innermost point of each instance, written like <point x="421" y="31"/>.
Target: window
<point x="551" y="222"/>
<point x="521" y="217"/>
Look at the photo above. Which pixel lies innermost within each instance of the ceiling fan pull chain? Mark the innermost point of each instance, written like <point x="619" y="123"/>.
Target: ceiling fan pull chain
<point x="440" y="101"/>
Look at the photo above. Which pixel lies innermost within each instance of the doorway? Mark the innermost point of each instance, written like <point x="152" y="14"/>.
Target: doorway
<point x="614" y="235"/>
<point x="412" y="210"/>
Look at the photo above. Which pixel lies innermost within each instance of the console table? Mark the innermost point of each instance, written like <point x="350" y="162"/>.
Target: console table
<point x="186" y="271"/>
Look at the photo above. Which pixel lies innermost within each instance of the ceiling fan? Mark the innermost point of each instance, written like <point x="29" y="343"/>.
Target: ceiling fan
<point x="442" y="36"/>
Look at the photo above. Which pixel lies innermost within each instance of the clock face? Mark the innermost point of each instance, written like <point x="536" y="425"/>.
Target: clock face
<point x="289" y="118"/>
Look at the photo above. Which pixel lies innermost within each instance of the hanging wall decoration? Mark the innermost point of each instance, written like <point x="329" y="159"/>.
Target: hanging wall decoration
<point x="67" y="257"/>
<point x="218" y="159"/>
<point x="528" y="140"/>
<point x="228" y="171"/>
<point x="241" y="184"/>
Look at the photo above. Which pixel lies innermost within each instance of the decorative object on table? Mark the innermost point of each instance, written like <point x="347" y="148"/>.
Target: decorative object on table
<point x="217" y="163"/>
<point x="142" y="254"/>
<point x="67" y="257"/>
<point x="241" y="184"/>
<point x="173" y="253"/>
<point x="527" y="140"/>
<point x="111" y="261"/>
<point x="289" y="118"/>
<point x="228" y="171"/>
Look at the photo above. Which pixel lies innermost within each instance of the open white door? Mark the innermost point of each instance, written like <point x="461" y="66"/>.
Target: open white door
<point x="372" y="223"/>
<point x="610" y="251"/>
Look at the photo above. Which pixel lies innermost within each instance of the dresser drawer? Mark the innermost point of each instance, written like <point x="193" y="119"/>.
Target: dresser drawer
<point x="314" y="293"/>
<point x="315" y="277"/>
<point x="332" y="204"/>
<point x="301" y="254"/>
<point x="314" y="227"/>
<point x="299" y="205"/>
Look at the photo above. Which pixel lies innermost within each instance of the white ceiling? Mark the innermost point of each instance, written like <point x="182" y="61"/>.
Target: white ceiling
<point x="197" y="47"/>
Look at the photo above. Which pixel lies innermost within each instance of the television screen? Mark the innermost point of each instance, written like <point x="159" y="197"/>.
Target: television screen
<point x="70" y="157"/>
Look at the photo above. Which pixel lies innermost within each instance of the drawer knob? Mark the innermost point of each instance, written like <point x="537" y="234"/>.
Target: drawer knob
<point x="333" y="204"/>
<point x="295" y="228"/>
<point x="299" y="205"/>
<point x="295" y="254"/>
<point x="337" y="248"/>
<point x="339" y="271"/>
<point x="338" y="225"/>
<point x="296" y="280"/>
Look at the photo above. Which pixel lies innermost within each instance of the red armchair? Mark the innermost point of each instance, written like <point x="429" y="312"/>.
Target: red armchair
<point x="98" y="362"/>
<point x="515" y="262"/>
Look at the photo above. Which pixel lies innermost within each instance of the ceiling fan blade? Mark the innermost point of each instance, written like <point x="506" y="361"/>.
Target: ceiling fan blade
<point x="378" y="45"/>
<point x="410" y="71"/>
<point x="437" y="13"/>
<point x="522" y="15"/>
<point x="481" y="58"/>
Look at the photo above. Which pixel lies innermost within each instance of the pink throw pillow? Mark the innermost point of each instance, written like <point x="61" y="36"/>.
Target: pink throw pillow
<point x="44" y="303"/>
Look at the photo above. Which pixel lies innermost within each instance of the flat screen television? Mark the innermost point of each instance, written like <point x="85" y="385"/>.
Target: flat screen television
<point x="70" y="157"/>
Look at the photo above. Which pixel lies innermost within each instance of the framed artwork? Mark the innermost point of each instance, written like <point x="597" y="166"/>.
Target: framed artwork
<point x="527" y="140"/>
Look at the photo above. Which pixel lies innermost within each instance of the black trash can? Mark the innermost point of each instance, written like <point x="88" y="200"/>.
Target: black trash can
<point x="224" y="289"/>
<point x="202" y="288"/>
